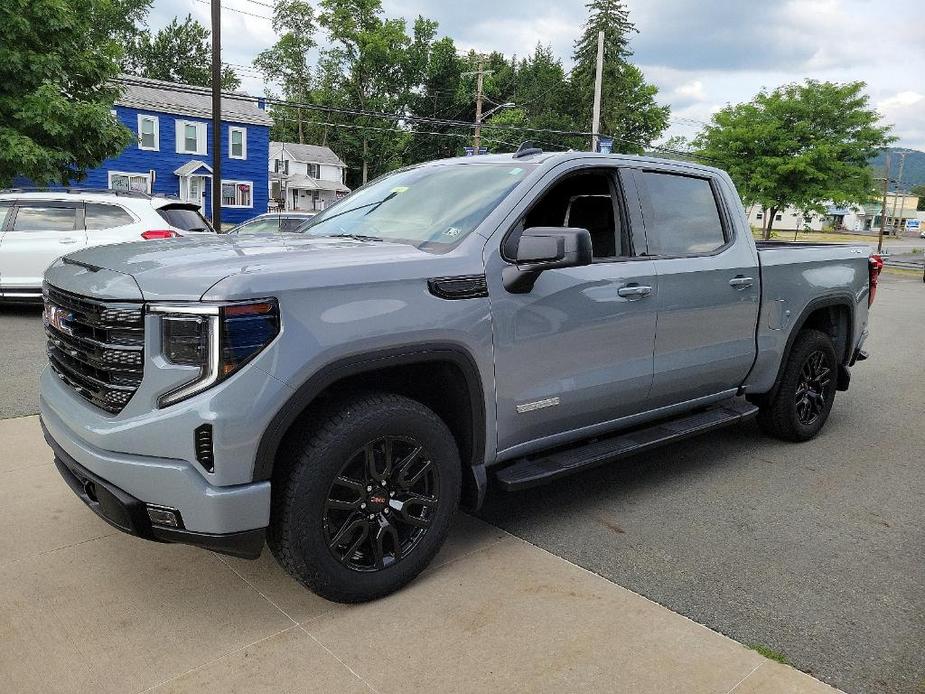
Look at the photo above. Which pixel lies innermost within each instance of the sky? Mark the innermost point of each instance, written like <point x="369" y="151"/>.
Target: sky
<point x="701" y="54"/>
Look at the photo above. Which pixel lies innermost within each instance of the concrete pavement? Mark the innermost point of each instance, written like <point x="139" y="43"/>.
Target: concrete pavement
<point x="86" y="609"/>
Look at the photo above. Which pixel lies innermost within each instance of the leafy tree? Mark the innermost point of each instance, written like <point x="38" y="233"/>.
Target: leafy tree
<point x="920" y="191"/>
<point x="57" y="58"/>
<point x="800" y="145"/>
<point x="372" y="65"/>
<point x="288" y="62"/>
<point x="629" y="111"/>
<point x="180" y="52"/>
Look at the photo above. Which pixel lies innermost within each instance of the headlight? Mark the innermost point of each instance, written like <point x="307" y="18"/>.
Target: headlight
<point x="218" y="339"/>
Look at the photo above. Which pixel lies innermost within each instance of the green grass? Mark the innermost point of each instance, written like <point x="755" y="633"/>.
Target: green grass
<point x="769" y="653"/>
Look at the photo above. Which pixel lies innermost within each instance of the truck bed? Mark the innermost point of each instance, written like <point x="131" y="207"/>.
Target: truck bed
<point x="797" y="278"/>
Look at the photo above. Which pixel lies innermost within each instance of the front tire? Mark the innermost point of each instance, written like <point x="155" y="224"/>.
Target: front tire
<point x="364" y="498"/>
<point x="804" y="399"/>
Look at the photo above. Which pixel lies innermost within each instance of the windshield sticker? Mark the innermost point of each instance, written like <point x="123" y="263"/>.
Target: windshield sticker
<point x="452" y="231"/>
<point x="399" y="189"/>
<point x="515" y="171"/>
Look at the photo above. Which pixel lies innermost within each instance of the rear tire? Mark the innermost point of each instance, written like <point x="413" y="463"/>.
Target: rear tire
<point x="363" y="500"/>
<point x="804" y="398"/>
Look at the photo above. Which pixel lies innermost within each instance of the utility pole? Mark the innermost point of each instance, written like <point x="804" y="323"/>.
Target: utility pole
<point x="598" y="78"/>
<point x="477" y="137"/>
<point x="886" y="188"/>
<point x="898" y="191"/>
<point x="217" y="115"/>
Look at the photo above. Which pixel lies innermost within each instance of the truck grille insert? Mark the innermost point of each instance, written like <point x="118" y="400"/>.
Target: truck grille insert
<point x="95" y="347"/>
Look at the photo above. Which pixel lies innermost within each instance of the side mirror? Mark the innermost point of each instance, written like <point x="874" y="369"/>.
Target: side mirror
<point x="546" y="248"/>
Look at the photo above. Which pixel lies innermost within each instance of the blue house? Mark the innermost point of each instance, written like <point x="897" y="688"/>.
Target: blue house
<point x="172" y="153"/>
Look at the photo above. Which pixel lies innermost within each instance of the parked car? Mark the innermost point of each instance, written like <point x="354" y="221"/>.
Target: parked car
<point x="273" y="223"/>
<point x="456" y="323"/>
<point x="39" y="226"/>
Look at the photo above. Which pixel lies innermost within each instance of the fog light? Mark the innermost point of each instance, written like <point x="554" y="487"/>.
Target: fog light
<point x="161" y="515"/>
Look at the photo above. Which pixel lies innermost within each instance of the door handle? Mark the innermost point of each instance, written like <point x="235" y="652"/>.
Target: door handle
<point x="740" y="282"/>
<point x="634" y="291"/>
<point x="67" y="242"/>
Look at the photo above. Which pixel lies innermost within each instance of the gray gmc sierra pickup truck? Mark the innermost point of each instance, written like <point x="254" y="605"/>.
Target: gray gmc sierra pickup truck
<point x="505" y="319"/>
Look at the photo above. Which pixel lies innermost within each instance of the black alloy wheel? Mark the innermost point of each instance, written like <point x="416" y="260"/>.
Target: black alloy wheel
<point x="810" y="396"/>
<point x="381" y="504"/>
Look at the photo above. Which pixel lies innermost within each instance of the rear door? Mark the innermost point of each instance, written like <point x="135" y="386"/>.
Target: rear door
<point x="110" y="223"/>
<point x="708" y="286"/>
<point x="38" y="233"/>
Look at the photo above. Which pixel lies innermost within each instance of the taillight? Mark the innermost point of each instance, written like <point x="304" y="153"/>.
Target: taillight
<point x="159" y="234"/>
<point x="875" y="265"/>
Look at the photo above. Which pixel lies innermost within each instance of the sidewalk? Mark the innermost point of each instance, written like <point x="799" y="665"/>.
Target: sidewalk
<point x="84" y="608"/>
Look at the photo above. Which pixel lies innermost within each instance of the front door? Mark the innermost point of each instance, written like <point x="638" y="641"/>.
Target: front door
<point x="197" y="191"/>
<point x="36" y="234"/>
<point x="576" y="351"/>
<point x="708" y="287"/>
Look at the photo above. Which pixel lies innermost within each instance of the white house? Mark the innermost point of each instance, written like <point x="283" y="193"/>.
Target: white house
<point x="305" y="177"/>
<point x="789" y="219"/>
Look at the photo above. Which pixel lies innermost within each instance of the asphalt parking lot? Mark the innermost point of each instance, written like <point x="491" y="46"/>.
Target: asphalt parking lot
<point x="814" y="551"/>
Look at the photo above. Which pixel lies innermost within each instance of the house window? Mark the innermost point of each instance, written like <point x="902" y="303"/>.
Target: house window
<point x="282" y="166"/>
<point x="237" y="143"/>
<point x="778" y="217"/>
<point x="191" y="137"/>
<point x="148" y="137"/>
<point x="759" y="215"/>
<point x="237" y="194"/>
<point x="313" y="170"/>
<point x="138" y="182"/>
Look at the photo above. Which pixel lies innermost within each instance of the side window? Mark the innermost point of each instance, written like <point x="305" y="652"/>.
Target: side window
<point x="5" y="208"/>
<point x="686" y="218"/>
<point x="583" y="200"/>
<point x="102" y="216"/>
<point x="45" y="219"/>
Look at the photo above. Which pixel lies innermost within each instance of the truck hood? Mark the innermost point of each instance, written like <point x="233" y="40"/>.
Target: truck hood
<point x="184" y="269"/>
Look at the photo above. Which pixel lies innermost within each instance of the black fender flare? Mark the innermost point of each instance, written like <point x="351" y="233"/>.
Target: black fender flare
<point x="366" y="362"/>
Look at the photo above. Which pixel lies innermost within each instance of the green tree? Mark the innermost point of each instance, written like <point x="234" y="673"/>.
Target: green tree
<point x="800" y="145"/>
<point x="372" y="65"/>
<point x="920" y="191"/>
<point x="57" y="60"/>
<point x="288" y="62"/>
<point x="180" y="52"/>
<point x="629" y="111"/>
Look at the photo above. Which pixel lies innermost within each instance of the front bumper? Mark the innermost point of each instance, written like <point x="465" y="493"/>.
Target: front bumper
<point x="129" y="514"/>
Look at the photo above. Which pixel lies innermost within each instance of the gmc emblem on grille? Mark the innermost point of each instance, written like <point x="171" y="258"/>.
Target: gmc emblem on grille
<point x="58" y="318"/>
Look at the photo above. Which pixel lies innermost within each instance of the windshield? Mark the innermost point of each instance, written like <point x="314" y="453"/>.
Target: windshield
<point x="270" y="224"/>
<point x="423" y="206"/>
<point x="186" y="217"/>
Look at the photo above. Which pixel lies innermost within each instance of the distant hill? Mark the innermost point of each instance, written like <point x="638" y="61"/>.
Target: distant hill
<point x="913" y="171"/>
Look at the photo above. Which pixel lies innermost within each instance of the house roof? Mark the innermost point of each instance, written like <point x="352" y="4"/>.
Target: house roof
<point x="193" y="166"/>
<point x="187" y="100"/>
<point x="309" y="154"/>
<point x="307" y="183"/>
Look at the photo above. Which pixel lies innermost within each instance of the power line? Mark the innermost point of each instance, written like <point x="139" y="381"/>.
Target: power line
<point x="235" y="9"/>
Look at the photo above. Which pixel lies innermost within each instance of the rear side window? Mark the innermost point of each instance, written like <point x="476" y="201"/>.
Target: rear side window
<point x="45" y="219"/>
<point x="686" y="219"/>
<point x="184" y="217"/>
<point x="5" y="208"/>
<point x="102" y="216"/>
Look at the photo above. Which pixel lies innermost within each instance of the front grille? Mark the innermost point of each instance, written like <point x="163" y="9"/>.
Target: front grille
<point x="96" y="347"/>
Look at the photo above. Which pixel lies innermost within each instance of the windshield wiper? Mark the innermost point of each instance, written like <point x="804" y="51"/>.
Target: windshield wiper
<point x="358" y="237"/>
<point x="354" y="209"/>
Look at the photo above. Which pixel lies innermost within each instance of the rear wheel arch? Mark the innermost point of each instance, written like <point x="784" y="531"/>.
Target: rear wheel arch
<point x="443" y="377"/>
<point x="833" y="315"/>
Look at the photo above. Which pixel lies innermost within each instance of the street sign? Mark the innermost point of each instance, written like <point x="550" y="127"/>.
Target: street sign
<point x="470" y="151"/>
<point x="605" y="145"/>
<point x="913" y="224"/>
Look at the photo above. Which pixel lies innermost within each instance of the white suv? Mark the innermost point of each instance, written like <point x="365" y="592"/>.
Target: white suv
<point x="39" y="226"/>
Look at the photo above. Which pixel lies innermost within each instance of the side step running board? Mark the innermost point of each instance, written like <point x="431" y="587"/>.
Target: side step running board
<point x="530" y="472"/>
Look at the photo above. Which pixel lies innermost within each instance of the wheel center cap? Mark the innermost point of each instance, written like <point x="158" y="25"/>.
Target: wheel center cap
<point x="378" y="499"/>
